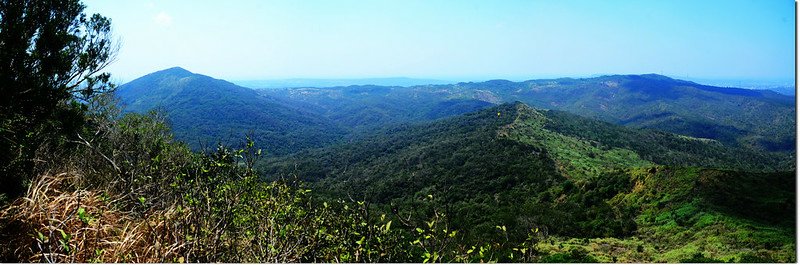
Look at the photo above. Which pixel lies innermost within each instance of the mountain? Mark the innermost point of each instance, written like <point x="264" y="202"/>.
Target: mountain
<point x="319" y="82"/>
<point x="760" y="119"/>
<point x="204" y="110"/>
<point x="647" y="169"/>
<point x="757" y="119"/>
<point x="495" y="140"/>
<point x="368" y="107"/>
<point x="782" y="86"/>
<point x="519" y="167"/>
<point x="786" y="90"/>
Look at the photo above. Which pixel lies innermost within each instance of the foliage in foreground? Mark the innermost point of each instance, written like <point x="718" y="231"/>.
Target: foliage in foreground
<point x="51" y="58"/>
<point x="133" y="195"/>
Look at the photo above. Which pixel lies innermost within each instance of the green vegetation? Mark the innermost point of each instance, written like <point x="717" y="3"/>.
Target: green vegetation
<point x="523" y="169"/>
<point x="680" y="218"/>
<point x="204" y="111"/>
<point x="84" y="182"/>
<point x="667" y="148"/>
<point x="50" y="64"/>
<point x="754" y="119"/>
<point x="366" y="108"/>
<point x="135" y="195"/>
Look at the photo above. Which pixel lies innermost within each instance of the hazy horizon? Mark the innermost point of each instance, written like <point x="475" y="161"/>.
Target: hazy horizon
<point x="750" y="83"/>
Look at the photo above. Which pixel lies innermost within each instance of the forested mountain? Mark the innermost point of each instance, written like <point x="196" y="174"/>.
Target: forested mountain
<point x="495" y="142"/>
<point x="759" y="119"/>
<point x="623" y="168"/>
<point x="458" y="152"/>
<point x="310" y="82"/>
<point x="520" y="168"/>
<point x="203" y="110"/>
<point x="369" y="106"/>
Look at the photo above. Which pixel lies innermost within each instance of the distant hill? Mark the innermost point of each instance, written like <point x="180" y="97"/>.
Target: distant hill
<point x="204" y="110"/>
<point x="319" y="82"/>
<point x="756" y="118"/>
<point x="367" y="107"/>
<point x="782" y="86"/>
<point x="786" y="90"/>
<point x="759" y="119"/>
<point x="516" y="166"/>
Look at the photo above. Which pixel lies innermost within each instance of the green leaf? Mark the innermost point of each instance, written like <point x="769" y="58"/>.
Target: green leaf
<point x="82" y="215"/>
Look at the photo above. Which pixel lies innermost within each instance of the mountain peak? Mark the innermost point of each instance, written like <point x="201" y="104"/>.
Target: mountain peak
<point x="656" y="76"/>
<point x="174" y="71"/>
<point x="520" y="105"/>
<point x="522" y="108"/>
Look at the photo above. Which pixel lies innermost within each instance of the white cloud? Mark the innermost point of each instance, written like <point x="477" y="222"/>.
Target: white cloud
<point x="162" y="19"/>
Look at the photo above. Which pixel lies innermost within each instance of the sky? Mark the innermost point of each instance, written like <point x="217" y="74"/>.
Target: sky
<point x="453" y="39"/>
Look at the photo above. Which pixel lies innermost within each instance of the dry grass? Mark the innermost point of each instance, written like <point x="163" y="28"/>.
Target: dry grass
<point x="56" y="222"/>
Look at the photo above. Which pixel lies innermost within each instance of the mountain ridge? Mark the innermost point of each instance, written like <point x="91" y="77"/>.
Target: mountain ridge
<point x="516" y="166"/>
<point x="758" y="119"/>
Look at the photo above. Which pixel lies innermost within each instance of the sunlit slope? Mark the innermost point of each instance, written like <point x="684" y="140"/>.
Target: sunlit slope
<point x="499" y="166"/>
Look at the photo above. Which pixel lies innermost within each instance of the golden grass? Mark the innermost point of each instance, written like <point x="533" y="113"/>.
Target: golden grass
<point x="56" y="222"/>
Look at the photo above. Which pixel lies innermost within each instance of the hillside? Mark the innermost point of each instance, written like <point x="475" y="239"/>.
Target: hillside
<point x="309" y="82"/>
<point x="368" y="107"/>
<point x="515" y="166"/>
<point x="758" y="119"/>
<point x="677" y="215"/>
<point x="755" y="118"/>
<point x="203" y="110"/>
<point x="577" y="145"/>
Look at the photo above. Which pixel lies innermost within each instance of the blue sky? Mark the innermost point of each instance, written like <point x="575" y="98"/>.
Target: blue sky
<point x="454" y="40"/>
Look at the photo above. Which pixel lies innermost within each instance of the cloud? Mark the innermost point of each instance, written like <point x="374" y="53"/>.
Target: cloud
<point x="162" y="19"/>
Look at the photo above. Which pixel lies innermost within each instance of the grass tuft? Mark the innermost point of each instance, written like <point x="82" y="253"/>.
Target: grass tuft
<point x="56" y="222"/>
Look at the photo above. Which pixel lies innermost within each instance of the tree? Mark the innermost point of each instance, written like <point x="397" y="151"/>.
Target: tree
<point x="51" y="58"/>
